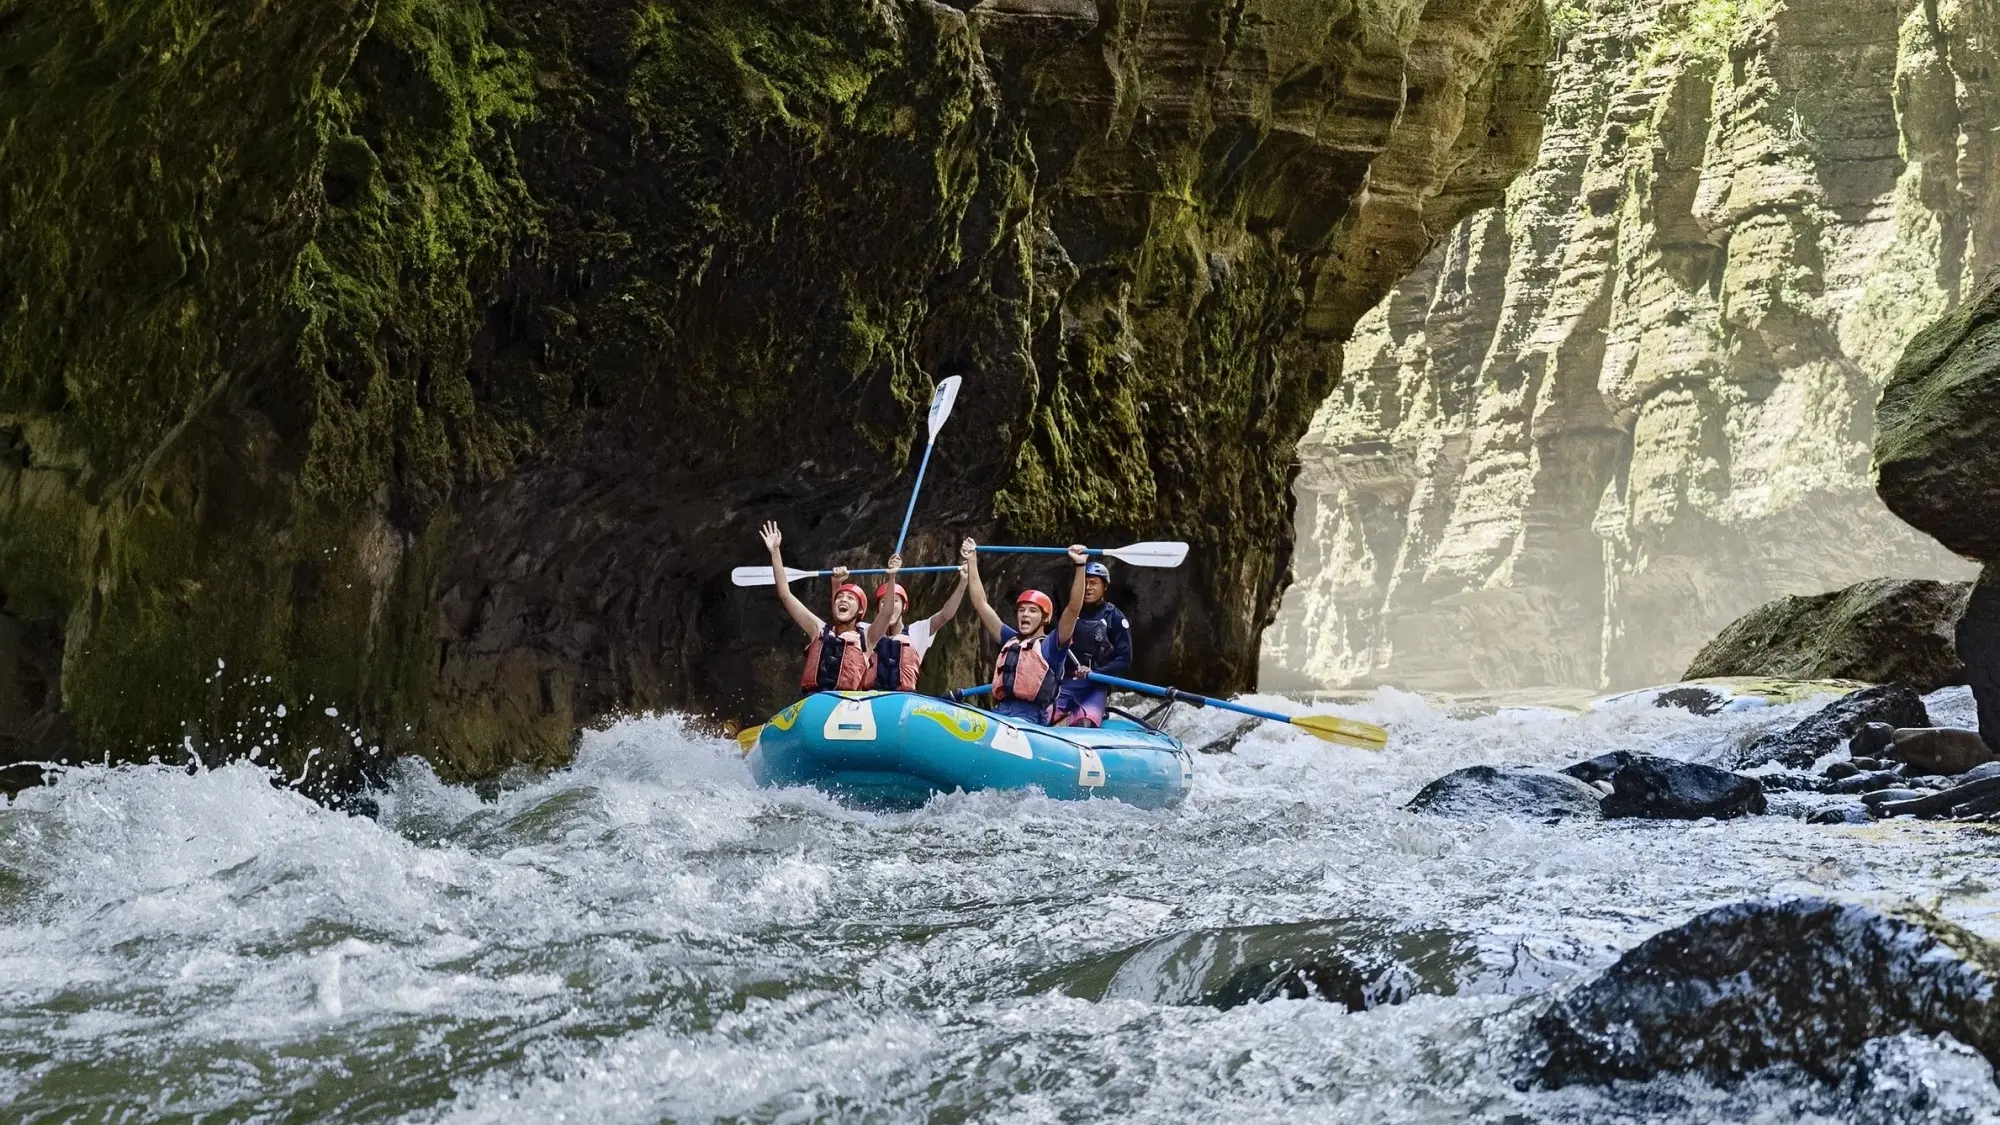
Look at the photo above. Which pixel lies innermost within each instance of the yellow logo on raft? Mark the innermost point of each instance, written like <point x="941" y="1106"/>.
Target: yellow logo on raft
<point x="789" y="717"/>
<point x="966" y="726"/>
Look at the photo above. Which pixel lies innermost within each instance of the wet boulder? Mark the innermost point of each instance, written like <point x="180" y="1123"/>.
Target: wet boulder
<point x="1802" y="981"/>
<point x="1600" y="768"/>
<point x="1832" y="726"/>
<point x="1484" y="792"/>
<point x="1656" y="788"/>
<point x="1939" y="751"/>
<point x="1880" y="631"/>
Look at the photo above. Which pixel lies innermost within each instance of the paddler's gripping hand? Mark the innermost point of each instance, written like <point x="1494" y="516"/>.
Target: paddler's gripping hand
<point x="839" y="577"/>
<point x="771" y="536"/>
<point x="968" y="553"/>
<point x="1079" y="554"/>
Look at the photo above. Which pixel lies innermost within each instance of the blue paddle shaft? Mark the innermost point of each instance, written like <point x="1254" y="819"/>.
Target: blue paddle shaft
<point x="917" y="488"/>
<point x="1174" y="693"/>
<point x="885" y="570"/>
<point x="1155" y="689"/>
<point x="1034" y="551"/>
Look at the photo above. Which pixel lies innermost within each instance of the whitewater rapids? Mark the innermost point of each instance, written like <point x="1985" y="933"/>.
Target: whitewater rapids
<point x="646" y="937"/>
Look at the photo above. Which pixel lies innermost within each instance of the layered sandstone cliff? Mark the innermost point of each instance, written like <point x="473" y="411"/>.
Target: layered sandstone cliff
<point x="1601" y="421"/>
<point x="407" y="374"/>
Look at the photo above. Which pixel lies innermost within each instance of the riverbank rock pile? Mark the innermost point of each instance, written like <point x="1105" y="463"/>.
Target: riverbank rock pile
<point x="1896" y="765"/>
<point x="1804" y="982"/>
<point x="1833" y="726"/>
<point x="1882" y="631"/>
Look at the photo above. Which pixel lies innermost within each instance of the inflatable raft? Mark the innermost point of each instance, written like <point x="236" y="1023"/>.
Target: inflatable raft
<point x="898" y="749"/>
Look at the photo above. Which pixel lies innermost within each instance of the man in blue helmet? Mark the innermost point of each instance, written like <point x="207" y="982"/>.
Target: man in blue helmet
<point x="1102" y="643"/>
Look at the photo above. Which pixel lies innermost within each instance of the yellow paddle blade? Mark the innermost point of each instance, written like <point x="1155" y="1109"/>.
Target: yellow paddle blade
<point x="1348" y="732"/>
<point x="746" y="739"/>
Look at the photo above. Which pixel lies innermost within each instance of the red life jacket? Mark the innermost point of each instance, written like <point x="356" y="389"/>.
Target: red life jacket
<point x="1022" y="673"/>
<point x="897" y="663"/>
<point x="834" y="662"/>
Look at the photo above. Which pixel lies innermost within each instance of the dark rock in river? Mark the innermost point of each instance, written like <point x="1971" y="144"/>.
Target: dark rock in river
<point x="1600" y="768"/>
<point x="1480" y="792"/>
<point x="1801" y="981"/>
<point x="1945" y="751"/>
<point x="1832" y="726"/>
<point x="1840" y="814"/>
<point x="1974" y="798"/>
<point x="1867" y="782"/>
<point x="1656" y="788"/>
<point x="1884" y="630"/>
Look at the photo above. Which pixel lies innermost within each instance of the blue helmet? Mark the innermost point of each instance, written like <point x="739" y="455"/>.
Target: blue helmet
<point x="1097" y="570"/>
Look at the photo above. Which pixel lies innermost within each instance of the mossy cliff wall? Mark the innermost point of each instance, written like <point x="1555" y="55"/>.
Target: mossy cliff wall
<point x="407" y="374"/>
<point x="1598" y="424"/>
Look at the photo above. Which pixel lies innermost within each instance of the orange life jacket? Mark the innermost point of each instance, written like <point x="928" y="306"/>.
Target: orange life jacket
<point x="837" y="662"/>
<point x="1023" y="674"/>
<point x="897" y="663"/>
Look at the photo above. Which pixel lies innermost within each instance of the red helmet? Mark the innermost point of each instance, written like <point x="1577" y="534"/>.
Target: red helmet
<point x="1036" y="597"/>
<point x="860" y="595"/>
<point x="900" y="592"/>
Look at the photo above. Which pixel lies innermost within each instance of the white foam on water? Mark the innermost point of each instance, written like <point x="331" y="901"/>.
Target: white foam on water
<point x="646" y="936"/>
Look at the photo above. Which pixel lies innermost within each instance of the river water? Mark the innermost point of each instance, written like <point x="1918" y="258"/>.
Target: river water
<point x="646" y="937"/>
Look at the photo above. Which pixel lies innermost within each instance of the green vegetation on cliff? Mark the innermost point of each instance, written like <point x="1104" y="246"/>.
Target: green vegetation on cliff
<point x="410" y="366"/>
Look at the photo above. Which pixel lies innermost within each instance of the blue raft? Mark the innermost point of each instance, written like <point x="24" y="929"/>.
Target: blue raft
<point x="897" y="749"/>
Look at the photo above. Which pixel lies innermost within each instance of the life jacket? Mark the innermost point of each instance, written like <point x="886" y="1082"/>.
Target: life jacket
<point x="1023" y="673"/>
<point x="897" y="663"/>
<point x="836" y="663"/>
<point x="1091" y="642"/>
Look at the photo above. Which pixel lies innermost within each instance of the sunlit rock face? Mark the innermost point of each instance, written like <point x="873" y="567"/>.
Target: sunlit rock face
<point x="1600" y="422"/>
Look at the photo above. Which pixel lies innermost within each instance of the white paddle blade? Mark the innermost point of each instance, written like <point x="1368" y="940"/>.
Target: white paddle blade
<point x="761" y="575"/>
<point x="941" y="400"/>
<point x="1150" y="554"/>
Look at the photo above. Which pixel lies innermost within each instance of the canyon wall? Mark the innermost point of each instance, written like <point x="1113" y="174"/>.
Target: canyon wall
<point x="405" y="376"/>
<point x="1601" y="421"/>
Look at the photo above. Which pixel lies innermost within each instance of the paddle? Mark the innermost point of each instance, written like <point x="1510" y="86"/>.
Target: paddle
<point x="941" y="400"/>
<point x="1166" y="554"/>
<point x="1332" y="728"/>
<point x="761" y="575"/>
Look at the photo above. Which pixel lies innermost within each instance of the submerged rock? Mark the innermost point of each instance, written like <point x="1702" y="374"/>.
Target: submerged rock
<point x="1945" y="751"/>
<point x="1656" y="788"/>
<point x="1884" y="630"/>
<point x="1481" y="792"/>
<point x="1832" y="726"/>
<point x="1801" y="981"/>
<point x="1355" y="982"/>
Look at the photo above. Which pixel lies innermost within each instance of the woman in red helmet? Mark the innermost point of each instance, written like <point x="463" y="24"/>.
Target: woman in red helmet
<point x="1034" y="652"/>
<point x="898" y="651"/>
<point x="837" y="659"/>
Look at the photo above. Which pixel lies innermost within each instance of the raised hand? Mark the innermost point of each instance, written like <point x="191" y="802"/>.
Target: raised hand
<point x="839" y="577"/>
<point x="1079" y="554"/>
<point x="895" y="564"/>
<point x="771" y="536"/>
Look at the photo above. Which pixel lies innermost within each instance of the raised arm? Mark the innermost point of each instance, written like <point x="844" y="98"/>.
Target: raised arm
<point x="802" y="616"/>
<point x="968" y="555"/>
<point x="884" y="617"/>
<point x="943" y="616"/>
<point x="1079" y="557"/>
